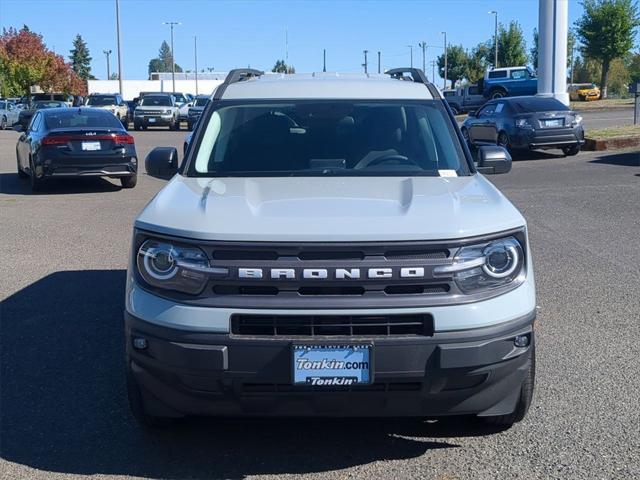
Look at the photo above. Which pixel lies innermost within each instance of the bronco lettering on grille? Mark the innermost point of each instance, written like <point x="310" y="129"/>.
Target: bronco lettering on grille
<point x="330" y="274"/>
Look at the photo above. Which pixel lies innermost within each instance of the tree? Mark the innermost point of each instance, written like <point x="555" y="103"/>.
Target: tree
<point x="512" y="48"/>
<point x="533" y="53"/>
<point x="162" y="63"/>
<point x="586" y="70"/>
<point x="619" y="78"/>
<point x="25" y="61"/>
<point x="634" y="67"/>
<point x="81" y="59"/>
<point x="456" y="63"/>
<point x="607" y="31"/>
<point x="281" y="67"/>
<point x="477" y="62"/>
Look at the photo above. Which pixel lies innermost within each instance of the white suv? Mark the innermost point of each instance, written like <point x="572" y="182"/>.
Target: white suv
<point x="112" y="102"/>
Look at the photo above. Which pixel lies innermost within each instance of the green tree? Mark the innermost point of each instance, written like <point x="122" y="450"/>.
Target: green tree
<point x="162" y="63"/>
<point x="512" y="48"/>
<point x="619" y="77"/>
<point x="81" y="59"/>
<point x="634" y="67"/>
<point x="607" y="31"/>
<point x="533" y="53"/>
<point x="281" y="67"/>
<point x="586" y="70"/>
<point x="457" y="61"/>
<point x="477" y="62"/>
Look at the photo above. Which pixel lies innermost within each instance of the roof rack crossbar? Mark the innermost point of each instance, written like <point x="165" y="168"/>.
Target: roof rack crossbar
<point x="234" y="76"/>
<point x="416" y="74"/>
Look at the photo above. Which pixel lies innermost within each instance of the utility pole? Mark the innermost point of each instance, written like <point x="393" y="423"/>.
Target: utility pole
<point x="445" y="60"/>
<point x="433" y="71"/>
<point x="107" y="53"/>
<point x="286" y="45"/>
<point x="424" y="46"/>
<point x="173" y="59"/>
<point x="119" y="48"/>
<point x="324" y="59"/>
<point x="365" y="64"/>
<point x="379" y="63"/>
<point x="411" y="53"/>
<point x="195" y="57"/>
<point x="495" y="38"/>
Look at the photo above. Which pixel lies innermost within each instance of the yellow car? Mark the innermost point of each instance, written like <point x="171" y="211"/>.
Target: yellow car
<point x="584" y="92"/>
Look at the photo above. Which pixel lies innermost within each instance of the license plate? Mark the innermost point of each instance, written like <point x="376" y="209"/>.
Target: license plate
<point x="90" y="146"/>
<point x="331" y="365"/>
<point x="152" y="120"/>
<point x="556" y="122"/>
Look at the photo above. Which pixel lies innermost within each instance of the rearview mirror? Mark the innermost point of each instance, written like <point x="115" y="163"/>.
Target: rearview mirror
<point x="493" y="160"/>
<point x="162" y="162"/>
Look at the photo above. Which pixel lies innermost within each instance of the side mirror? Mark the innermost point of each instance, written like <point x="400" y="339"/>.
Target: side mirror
<point x="162" y="162"/>
<point x="482" y="134"/>
<point x="493" y="160"/>
<point x="17" y="127"/>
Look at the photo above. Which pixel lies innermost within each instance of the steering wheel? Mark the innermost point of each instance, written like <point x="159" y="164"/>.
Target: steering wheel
<point x="388" y="157"/>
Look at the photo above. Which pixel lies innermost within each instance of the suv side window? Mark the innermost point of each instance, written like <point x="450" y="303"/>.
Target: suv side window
<point x="519" y="74"/>
<point x="498" y="74"/>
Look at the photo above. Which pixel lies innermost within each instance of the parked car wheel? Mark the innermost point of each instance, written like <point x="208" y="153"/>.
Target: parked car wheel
<point x="497" y="93"/>
<point x="36" y="183"/>
<point x="3" y="123"/>
<point x="21" y="173"/>
<point x="571" y="151"/>
<point x="190" y="126"/>
<point x="137" y="126"/>
<point x="129" y="182"/>
<point x="125" y="123"/>
<point x="503" y="140"/>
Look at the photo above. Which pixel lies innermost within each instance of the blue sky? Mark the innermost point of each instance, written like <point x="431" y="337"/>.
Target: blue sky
<point x="240" y="33"/>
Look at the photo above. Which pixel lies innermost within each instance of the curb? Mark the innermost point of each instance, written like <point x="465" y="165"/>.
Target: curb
<point x="613" y="143"/>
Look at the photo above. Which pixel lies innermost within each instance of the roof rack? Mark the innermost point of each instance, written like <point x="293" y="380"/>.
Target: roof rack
<point x="416" y="74"/>
<point x="234" y="76"/>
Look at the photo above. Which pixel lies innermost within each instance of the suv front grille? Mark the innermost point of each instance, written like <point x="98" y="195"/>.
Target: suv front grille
<point x="332" y="325"/>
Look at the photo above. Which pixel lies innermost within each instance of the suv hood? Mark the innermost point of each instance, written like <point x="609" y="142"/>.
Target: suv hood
<point x="329" y="209"/>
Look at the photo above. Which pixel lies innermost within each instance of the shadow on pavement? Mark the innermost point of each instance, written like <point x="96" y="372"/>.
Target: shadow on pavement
<point x="10" y="184"/>
<point x="627" y="159"/>
<point x="64" y="405"/>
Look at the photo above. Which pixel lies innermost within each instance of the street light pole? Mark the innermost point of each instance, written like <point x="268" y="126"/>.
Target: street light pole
<point x="411" y="53"/>
<point x="445" y="59"/>
<point x="495" y="38"/>
<point x="173" y="60"/>
<point x="433" y="71"/>
<point x="424" y="46"/>
<point x="195" y="57"/>
<point x="365" y="64"/>
<point x="119" y="48"/>
<point x="107" y="53"/>
<point x="324" y="59"/>
<point x="379" y="63"/>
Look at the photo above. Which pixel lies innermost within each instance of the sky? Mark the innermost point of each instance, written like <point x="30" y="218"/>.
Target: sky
<point x="245" y="33"/>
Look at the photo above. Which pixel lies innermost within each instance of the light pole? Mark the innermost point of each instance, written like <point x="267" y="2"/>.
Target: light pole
<point x="424" y="46"/>
<point x="445" y="59"/>
<point x="411" y="53"/>
<point x="119" y="48"/>
<point x="433" y="71"/>
<point x="495" y="38"/>
<point x="379" y="62"/>
<point x="195" y="57"/>
<point x="107" y="53"/>
<point x="365" y="64"/>
<point x="324" y="59"/>
<point x="173" y="60"/>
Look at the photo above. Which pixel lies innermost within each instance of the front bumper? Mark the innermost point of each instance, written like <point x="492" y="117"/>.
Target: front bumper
<point x="153" y="120"/>
<point x="477" y="371"/>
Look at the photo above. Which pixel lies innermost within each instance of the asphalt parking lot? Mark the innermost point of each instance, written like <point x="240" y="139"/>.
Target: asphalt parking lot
<point x="63" y="407"/>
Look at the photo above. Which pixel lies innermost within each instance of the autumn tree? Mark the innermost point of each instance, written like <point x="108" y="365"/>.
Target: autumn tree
<point x="607" y="31"/>
<point x="81" y="59"/>
<point x="25" y="61"/>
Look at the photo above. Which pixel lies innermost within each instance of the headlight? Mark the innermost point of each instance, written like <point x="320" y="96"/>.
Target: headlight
<point x="577" y="120"/>
<point x="486" y="266"/>
<point x="169" y="266"/>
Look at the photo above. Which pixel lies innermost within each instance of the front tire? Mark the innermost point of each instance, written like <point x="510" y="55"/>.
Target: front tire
<point x="21" y="173"/>
<point x="503" y="140"/>
<point x="524" y="401"/>
<point x="36" y="183"/>
<point x="137" y="126"/>
<point x="129" y="182"/>
<point x="498" y="93"/>
<point x="3" y="123"/>
<point x="571" y="150"/>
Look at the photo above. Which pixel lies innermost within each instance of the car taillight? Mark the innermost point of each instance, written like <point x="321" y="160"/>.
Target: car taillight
<point x="124" y="139"/>
<point x="59" y="140"/>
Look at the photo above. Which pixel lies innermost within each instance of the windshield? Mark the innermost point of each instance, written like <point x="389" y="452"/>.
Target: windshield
<point x="201" y="102"/>
<point x="81" y="118"/>
<point x="48" y="104"/>
<point x="340" y="138"/>
<point x="101" y="101"/>
<point x="179" y="98"/>
<point x="156" y="101"/>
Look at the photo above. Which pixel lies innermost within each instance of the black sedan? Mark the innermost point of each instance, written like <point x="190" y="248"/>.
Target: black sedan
<point x="74" y="142"/>
<point x="526" y="123"/>
<point x="27" y="114"/>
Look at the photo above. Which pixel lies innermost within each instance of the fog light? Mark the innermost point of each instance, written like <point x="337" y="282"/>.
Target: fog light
<point x="139" y="343"/>
<point x="521" y="341"/>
